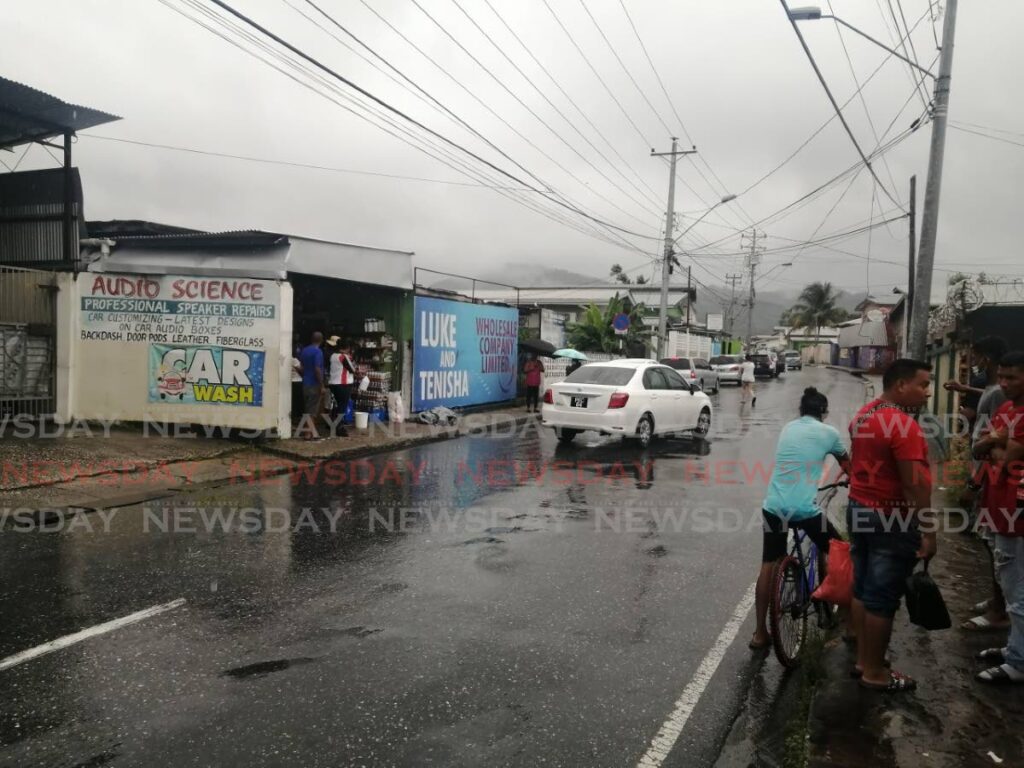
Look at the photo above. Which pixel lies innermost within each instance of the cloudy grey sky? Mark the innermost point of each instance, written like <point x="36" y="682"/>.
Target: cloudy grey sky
<point x="733" y="69"/>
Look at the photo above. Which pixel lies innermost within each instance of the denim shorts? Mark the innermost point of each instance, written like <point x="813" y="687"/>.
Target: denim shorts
<point x="883" y="557"/>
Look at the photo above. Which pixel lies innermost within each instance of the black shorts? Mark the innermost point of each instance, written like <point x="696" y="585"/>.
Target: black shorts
<point x="776" y="534"/>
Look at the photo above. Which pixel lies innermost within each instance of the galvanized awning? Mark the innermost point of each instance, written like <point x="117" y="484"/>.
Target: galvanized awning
<point x="27" y="114"/>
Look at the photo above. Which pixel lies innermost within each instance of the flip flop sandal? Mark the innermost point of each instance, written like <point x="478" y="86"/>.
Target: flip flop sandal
<point x="1000" y="676"/>
<point x="991" y="656"/>
<point x="857" y="674"/>
<point x="759" y="646"/>
<point x="898" y="683"/>
<point x="981" y="607"/>
<point x="982" y="624"/>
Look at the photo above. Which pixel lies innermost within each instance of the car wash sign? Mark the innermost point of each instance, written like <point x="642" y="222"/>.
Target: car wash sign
<point x="463" y="354"/>
<point x="205" y="375"/>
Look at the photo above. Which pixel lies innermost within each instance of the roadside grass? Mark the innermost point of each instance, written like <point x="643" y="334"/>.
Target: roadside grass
<point x="796" y="750"/>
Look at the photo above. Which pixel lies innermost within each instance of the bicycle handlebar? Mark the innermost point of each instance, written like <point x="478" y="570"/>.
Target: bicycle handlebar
<point x="840" y="484"/>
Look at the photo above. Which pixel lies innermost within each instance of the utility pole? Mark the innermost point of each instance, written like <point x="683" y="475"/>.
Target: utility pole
<point x="930" y="214"/>
<point x="667" y="259"/>
<point x="753" y="258"/>
<point x="908" y="301"/>
<point x="731" y="280"/>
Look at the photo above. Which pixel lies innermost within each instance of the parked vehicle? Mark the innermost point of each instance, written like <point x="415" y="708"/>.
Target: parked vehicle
<point x="764" y="366"/>
<point x="793" y="360"/>
<point x="728" y="367"/>
<point x="637" y="399"/>
<point x="694" y="369"/>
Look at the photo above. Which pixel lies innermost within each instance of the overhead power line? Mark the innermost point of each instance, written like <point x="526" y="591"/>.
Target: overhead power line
<point x="293" y="164"/>
<point x="391" y="108"/>
<point x="440" y="152"/>
<point x="832" y="100"/>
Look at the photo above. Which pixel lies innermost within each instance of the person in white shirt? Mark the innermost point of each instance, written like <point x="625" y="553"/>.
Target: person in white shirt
<point x="341" y="378"/>
<point x="747" y="380"/>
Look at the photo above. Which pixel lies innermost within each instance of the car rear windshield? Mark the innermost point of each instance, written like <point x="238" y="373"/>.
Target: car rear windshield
<point x="612" y="376"/>
<point x="792" y="354"/>
<point x="761" y="359"/>
<point x="679" y="363"/>
<point x="724" y="360"/>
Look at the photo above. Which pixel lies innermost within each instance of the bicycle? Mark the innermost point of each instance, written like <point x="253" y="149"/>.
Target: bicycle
<point x="794" y="580"/>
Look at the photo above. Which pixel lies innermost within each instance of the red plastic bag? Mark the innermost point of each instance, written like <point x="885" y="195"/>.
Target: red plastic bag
<point x="838" y="585"/>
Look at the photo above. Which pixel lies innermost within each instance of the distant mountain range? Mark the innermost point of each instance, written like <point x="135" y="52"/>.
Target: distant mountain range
<point x="768" y="306"/>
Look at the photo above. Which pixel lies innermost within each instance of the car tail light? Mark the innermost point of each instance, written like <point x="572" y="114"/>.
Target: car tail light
<point x="549" y="398"/>
<point x="618" y="400"/>
<point x="693" y="374"/>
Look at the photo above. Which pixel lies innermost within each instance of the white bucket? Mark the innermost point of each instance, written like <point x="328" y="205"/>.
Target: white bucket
<point x="362" y="419"/>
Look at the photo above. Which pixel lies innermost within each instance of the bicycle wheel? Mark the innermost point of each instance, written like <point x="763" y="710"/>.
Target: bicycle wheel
<point x="787" y="611"/>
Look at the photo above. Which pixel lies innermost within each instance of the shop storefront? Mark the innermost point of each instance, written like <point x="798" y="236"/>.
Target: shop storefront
<point x="201" y="328"/>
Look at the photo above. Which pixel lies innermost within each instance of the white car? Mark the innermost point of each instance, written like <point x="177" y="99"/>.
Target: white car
<point x="636" y="399"/>
<point x="728" y="367"/>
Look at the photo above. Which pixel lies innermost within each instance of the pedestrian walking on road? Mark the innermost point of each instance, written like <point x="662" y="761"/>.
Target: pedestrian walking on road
<point x="533" y="370"/>
<point x="890" y="498"/>
<point x="314" y="386"/>
<point x="803" y="448"/>
<point x="1002" y="448"/>
<point x="747" y="379"/>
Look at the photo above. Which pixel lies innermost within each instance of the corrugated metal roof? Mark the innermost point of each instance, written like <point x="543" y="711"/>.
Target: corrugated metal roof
<point x="869" y="333"/>
<point x="27" y="114"/>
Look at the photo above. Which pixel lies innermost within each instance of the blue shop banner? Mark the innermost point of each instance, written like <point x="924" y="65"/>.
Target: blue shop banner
<point x="463" y="354"/>
<point x="205" y="375"/>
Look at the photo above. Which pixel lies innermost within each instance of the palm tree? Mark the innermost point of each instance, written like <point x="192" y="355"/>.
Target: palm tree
<point x="817" y="307"/>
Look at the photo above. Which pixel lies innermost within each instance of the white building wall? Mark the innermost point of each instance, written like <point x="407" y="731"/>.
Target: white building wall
<point x="112" y="377"/>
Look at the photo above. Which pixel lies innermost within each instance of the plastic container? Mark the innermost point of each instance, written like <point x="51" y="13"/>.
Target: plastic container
<point x="362" y="420"/>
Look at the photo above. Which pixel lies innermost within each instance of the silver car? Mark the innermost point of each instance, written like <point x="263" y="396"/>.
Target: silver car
<point x="728" y="367"/>
<point x="694" y="370"/>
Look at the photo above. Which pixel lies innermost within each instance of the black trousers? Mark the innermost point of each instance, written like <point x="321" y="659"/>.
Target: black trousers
<point x="533" y="396"/>
<point x="342" y="394"/>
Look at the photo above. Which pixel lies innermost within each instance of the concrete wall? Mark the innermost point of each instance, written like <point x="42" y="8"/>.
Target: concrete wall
<point x="108" y="364"/>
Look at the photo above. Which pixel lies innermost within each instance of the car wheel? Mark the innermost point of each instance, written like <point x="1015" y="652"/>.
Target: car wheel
<point x="645" y="430"/>
<point x="703" y="423"/>
<point x="566" y="435"/>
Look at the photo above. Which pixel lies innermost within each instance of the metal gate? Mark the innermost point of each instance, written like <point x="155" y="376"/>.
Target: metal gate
<point x="27" y="342"/>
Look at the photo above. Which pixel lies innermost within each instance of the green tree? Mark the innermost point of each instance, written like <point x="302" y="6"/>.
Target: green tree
<point x="593" y="332"/>
<point x="816" y="307"/>
<point x="620" y="275"/>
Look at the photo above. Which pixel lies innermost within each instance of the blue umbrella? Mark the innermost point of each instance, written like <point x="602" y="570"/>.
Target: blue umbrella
<point x="572" y="354"/>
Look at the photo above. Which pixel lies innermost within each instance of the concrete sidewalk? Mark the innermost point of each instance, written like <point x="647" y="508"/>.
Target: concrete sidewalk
<point x="123" y="465"/>
<point x="950" y="721"/>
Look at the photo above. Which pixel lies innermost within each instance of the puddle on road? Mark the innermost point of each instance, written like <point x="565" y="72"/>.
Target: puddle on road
<point x="261" y="668"/>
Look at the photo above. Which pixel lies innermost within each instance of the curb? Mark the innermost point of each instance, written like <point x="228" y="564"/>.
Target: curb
<point x="125" y="470"/>
<point x="44" y="516"/>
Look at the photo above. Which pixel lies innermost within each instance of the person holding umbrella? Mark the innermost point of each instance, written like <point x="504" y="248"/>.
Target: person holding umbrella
<point x="576" y="359"/>
<point x="533" y="369"/>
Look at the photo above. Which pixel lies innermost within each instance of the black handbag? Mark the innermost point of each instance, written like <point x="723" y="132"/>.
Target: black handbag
<point x="925" y="605"/>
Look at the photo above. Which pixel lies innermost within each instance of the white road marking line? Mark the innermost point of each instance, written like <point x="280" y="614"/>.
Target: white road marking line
<point x="670" y="731"/>
<point x="85" y="634"/>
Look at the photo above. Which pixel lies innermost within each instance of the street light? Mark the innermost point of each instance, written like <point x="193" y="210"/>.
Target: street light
<point x="813" y="13"/>
<point x="921" y="283"/>
<point x="723" y="201"/>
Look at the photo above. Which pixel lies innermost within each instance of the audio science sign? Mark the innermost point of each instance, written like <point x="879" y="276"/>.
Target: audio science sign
<point x="463" y="353"/>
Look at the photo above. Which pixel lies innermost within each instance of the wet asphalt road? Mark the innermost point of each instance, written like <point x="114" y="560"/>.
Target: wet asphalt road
<point x="457" y="615"/>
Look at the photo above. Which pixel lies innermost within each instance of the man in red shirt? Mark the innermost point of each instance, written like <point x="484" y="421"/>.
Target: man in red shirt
<point x="1003" y="450"/>
<point x="890" y="495"/>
